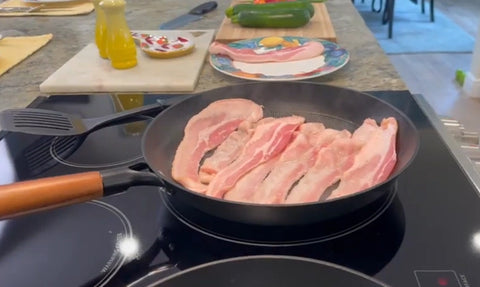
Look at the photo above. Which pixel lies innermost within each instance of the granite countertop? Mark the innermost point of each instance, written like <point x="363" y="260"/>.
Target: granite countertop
<point x="369" y="68"/>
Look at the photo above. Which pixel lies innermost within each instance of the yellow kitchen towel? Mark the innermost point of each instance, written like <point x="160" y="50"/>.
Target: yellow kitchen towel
<point x="66" y="8"/>
<point x="13" y="50"/>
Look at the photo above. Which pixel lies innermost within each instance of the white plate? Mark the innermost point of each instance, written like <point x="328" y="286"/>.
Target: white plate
<point x="332" y="59"/>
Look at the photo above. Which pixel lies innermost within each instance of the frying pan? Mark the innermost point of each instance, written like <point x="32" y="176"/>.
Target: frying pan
<point x="336" y="107"/>
<point x="268" y="270"/>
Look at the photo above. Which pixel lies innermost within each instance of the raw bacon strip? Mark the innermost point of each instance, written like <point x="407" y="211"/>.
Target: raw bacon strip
<point x="327" y="137"/>
<point x="294" y="162"/>
<point x="226" y="152"/>
<point x="246" y="187"/>
<point x="373" y="163"/>
<point x="267" y="141"/>
<point x="306" y="51"/>
<point x="363" y="133"/>
<point x="319" y="137"/>
<point x="330" y="164"/>
<point x="297" y="158"/>
<point x="312" y="130"/>
<point x="249" y="184"/>
<point x="205" y="131"/>
<point x="229" y="150"/>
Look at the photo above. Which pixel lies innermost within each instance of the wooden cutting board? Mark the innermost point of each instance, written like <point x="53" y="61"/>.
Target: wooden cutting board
<point x="319" y="26"/>
<point x="86" y="72"/>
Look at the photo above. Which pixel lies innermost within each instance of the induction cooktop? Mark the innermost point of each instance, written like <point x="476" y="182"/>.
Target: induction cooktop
<point x="425" y="233"/>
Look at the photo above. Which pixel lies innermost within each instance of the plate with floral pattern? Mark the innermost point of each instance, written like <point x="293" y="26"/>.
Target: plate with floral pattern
<point x="333" y="58"/>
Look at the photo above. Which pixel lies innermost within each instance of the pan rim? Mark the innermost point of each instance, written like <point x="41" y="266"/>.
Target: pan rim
<point x="392" y="176"/>
<point x="291" y="258"/>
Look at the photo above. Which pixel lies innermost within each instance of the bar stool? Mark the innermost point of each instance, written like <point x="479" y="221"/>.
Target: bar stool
<point x="389" y="12"/>
<point x="432" y="16"/>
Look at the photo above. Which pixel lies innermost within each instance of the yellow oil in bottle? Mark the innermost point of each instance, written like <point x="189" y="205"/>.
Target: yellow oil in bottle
<point x="120" y="47"/>
<point x="100" y="30"/>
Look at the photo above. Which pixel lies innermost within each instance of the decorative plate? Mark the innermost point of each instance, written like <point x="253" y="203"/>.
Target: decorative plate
<point x="333" y="58"/>
<point x="163" y="46"/>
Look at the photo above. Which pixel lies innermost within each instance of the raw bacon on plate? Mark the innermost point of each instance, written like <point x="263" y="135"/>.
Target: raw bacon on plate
<point x="306" y="51"/>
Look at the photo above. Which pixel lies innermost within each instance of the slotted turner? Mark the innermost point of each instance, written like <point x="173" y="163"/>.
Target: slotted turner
<point x="53" y="123"/>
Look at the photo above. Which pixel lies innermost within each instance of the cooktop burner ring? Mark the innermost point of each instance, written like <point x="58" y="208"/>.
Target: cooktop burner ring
<point x="63" y="149"/>
<point x="95" y="252"/>
<point x="128" y="234"/>
<point x="57" y="157"/>
<point x="391" y="193"/>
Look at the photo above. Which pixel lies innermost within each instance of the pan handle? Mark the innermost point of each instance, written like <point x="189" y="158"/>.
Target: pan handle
<point x="121" y="178"/>
<point x="45" y="193"/>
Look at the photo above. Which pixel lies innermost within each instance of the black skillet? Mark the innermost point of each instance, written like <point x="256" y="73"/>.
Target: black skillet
<point x="336" y="107"/>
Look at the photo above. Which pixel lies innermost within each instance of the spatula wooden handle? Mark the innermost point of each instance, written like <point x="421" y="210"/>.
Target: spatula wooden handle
<point x="34" y="195"/>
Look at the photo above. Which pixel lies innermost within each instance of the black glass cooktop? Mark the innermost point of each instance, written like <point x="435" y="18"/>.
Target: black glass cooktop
<point x="425" y="233"/>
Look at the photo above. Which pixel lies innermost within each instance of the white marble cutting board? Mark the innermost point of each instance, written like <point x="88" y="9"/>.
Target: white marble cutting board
<point x="87" y="72"/>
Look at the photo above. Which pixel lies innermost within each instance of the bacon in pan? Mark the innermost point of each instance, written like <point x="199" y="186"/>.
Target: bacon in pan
<point x="204" y="132"/>
<point x="229" y="150"/>
<point x="267" y="141"/>
<point x="374" y="162"/>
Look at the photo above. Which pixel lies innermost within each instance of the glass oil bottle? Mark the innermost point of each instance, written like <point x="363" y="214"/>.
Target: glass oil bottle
<point x="120" y="46"/>
<point x="100" y="29"/>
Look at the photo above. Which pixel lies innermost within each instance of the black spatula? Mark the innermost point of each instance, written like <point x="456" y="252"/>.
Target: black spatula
<point x="54" y="123"/>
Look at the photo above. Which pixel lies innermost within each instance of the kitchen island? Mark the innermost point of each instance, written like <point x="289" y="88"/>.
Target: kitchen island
<point x="143" y="230"/>
<point x="369" y="68"/>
